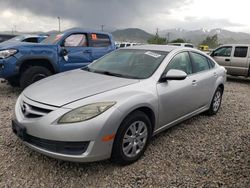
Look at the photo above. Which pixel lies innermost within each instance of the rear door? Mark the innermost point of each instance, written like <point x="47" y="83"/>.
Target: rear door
<point x="204" y="77"/>
<point x="79" y="53"/>
<point x="100" y="44"/>
<point x="223" y="56"/>
<point x="239" y="61"/>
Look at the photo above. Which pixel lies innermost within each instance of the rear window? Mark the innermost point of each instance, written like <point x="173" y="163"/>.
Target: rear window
<point x="240" y="52"/>
<point x="100" y="40"/>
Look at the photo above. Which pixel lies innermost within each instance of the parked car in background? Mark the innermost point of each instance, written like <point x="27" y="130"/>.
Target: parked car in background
<point x="112" y="107"/>
<point x="25" y="63"/>
<point x="188" y="45"/>
<point x="234" y="57"/>
<point x="28" y="38"/>
<point x="4" y="37"/>
<point x="128" y="44"/>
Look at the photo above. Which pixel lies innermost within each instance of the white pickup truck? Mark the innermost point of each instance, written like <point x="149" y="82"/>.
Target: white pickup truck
<point x="235" y="58"/>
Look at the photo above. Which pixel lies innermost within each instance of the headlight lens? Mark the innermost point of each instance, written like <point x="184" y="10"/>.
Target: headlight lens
<point x="85" y="112"/>
<point x="7" y="53"/>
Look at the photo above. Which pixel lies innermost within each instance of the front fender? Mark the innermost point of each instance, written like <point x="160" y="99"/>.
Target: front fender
<point x="49" y="53"/>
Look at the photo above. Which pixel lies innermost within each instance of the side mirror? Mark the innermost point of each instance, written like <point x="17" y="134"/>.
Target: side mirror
<point x="63" y="52"/>
<point x="174" y="74"/>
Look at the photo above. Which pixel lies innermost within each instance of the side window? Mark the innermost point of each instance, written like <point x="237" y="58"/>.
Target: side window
<point x="223" y="51"/>
<point x="212" y="64"/>
<point x="180" y="62"/>
<point x="100" y="40"/>
<point x="189" y="45"/>
<point x="76" y="40"/>
<point x="33" y="40"/>
<point x="240" y="51"/>
<point x="200" y="62"/>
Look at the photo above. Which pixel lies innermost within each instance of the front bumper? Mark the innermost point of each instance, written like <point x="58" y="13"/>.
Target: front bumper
<point x="68" y="148"/>
<point x="78" y="142"/>
<point x="8" y="67"/>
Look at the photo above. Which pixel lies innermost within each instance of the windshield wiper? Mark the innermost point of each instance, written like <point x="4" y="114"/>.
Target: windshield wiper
<point x="115" y="74"/>
<point x="87" y="69"/>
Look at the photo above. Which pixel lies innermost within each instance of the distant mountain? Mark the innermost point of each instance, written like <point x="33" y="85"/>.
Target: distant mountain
<point x="131" y="35"/>
<point x="197" y="36"/>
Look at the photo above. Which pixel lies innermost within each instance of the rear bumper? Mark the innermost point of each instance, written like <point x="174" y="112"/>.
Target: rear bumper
<point x="8" y="67"/>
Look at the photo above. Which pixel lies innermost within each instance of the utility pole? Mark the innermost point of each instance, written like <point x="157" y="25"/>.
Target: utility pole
<point x="15" y="31"/>
<point x="157" y="31"/>
<point x="168" y="37"/>
<point x="59" y="23"/>
<point x="157" y="35"/>
<point x="102" y="26"/>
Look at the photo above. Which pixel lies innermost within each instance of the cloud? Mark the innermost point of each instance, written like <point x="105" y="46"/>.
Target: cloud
<point x="93" y="13"/>
<point x="209" y="23"/>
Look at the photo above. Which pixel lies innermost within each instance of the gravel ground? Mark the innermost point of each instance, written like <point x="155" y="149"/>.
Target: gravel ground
<point x="201" y="152"/>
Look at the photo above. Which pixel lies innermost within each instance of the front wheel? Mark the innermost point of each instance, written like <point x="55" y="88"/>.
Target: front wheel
<point x="216" y="102"/>
<point x="33" y="74"/>
<point x="132" y="138"/>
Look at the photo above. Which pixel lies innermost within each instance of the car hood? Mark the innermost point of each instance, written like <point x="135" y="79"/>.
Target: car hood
<point x="68" y="87"/>
<point x="17" y="45"/>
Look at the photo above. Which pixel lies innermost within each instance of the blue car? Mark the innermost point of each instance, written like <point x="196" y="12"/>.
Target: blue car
<point x="23" y="63"/>
<point x="28" y="38"/>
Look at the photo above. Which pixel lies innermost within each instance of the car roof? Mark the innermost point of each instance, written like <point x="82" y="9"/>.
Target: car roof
<point x="166" y="48"/>
<point x="234" y="45"/>
<point x="75" y="30"/>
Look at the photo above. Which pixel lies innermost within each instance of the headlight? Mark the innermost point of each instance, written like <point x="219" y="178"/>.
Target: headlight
<point x="7" y="53"/>
<point x="85" y="112"/>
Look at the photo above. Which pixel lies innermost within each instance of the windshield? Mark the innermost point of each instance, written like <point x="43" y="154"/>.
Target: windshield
<point x="129" y="63"/>
<point x="52" y="39"/>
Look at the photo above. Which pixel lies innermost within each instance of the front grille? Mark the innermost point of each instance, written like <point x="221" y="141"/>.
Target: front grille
<point x="68" y="148"/>
<point x="31" y="111"/>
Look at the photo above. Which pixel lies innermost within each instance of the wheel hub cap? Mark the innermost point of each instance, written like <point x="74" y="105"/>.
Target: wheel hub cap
<point x="135" y="139"/>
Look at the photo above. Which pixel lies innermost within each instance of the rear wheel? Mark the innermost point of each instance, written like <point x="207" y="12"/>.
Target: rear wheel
<point x="216" y="102"/>
<point x="33" y="74"/>
<point x="132" y="138"/>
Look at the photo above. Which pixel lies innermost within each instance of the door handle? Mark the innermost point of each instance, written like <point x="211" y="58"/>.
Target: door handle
<point x="194" y="82"/>
<point x="215" y="74"/>
<point x="227" y="59"/>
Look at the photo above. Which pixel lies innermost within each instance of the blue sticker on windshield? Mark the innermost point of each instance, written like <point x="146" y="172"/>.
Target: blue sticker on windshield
<point x="153" y="54"/>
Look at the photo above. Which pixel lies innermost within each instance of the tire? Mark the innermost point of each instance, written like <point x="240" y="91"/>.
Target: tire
<point x="33" y="74"/>
<point x="123" y="148"/>
<point x="216" y="102"/>
<point x="14" y="81"/>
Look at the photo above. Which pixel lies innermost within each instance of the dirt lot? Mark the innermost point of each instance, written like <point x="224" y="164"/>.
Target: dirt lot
<point x="201" y="152"/>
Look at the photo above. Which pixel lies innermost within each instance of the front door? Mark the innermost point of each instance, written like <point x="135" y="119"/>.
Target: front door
<point x="176" y="97"/>
<point x="223" y="56"/>
<point x="78" y="53"/>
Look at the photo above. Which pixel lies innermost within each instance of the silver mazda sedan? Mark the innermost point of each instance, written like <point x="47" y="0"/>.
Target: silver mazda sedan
<point x="111" y="108"/>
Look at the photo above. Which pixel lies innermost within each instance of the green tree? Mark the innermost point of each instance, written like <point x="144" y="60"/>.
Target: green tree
<point x="212" y="41"/>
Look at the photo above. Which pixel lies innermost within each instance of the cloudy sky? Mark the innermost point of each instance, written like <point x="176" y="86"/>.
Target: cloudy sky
<point x="41" y="15"/>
